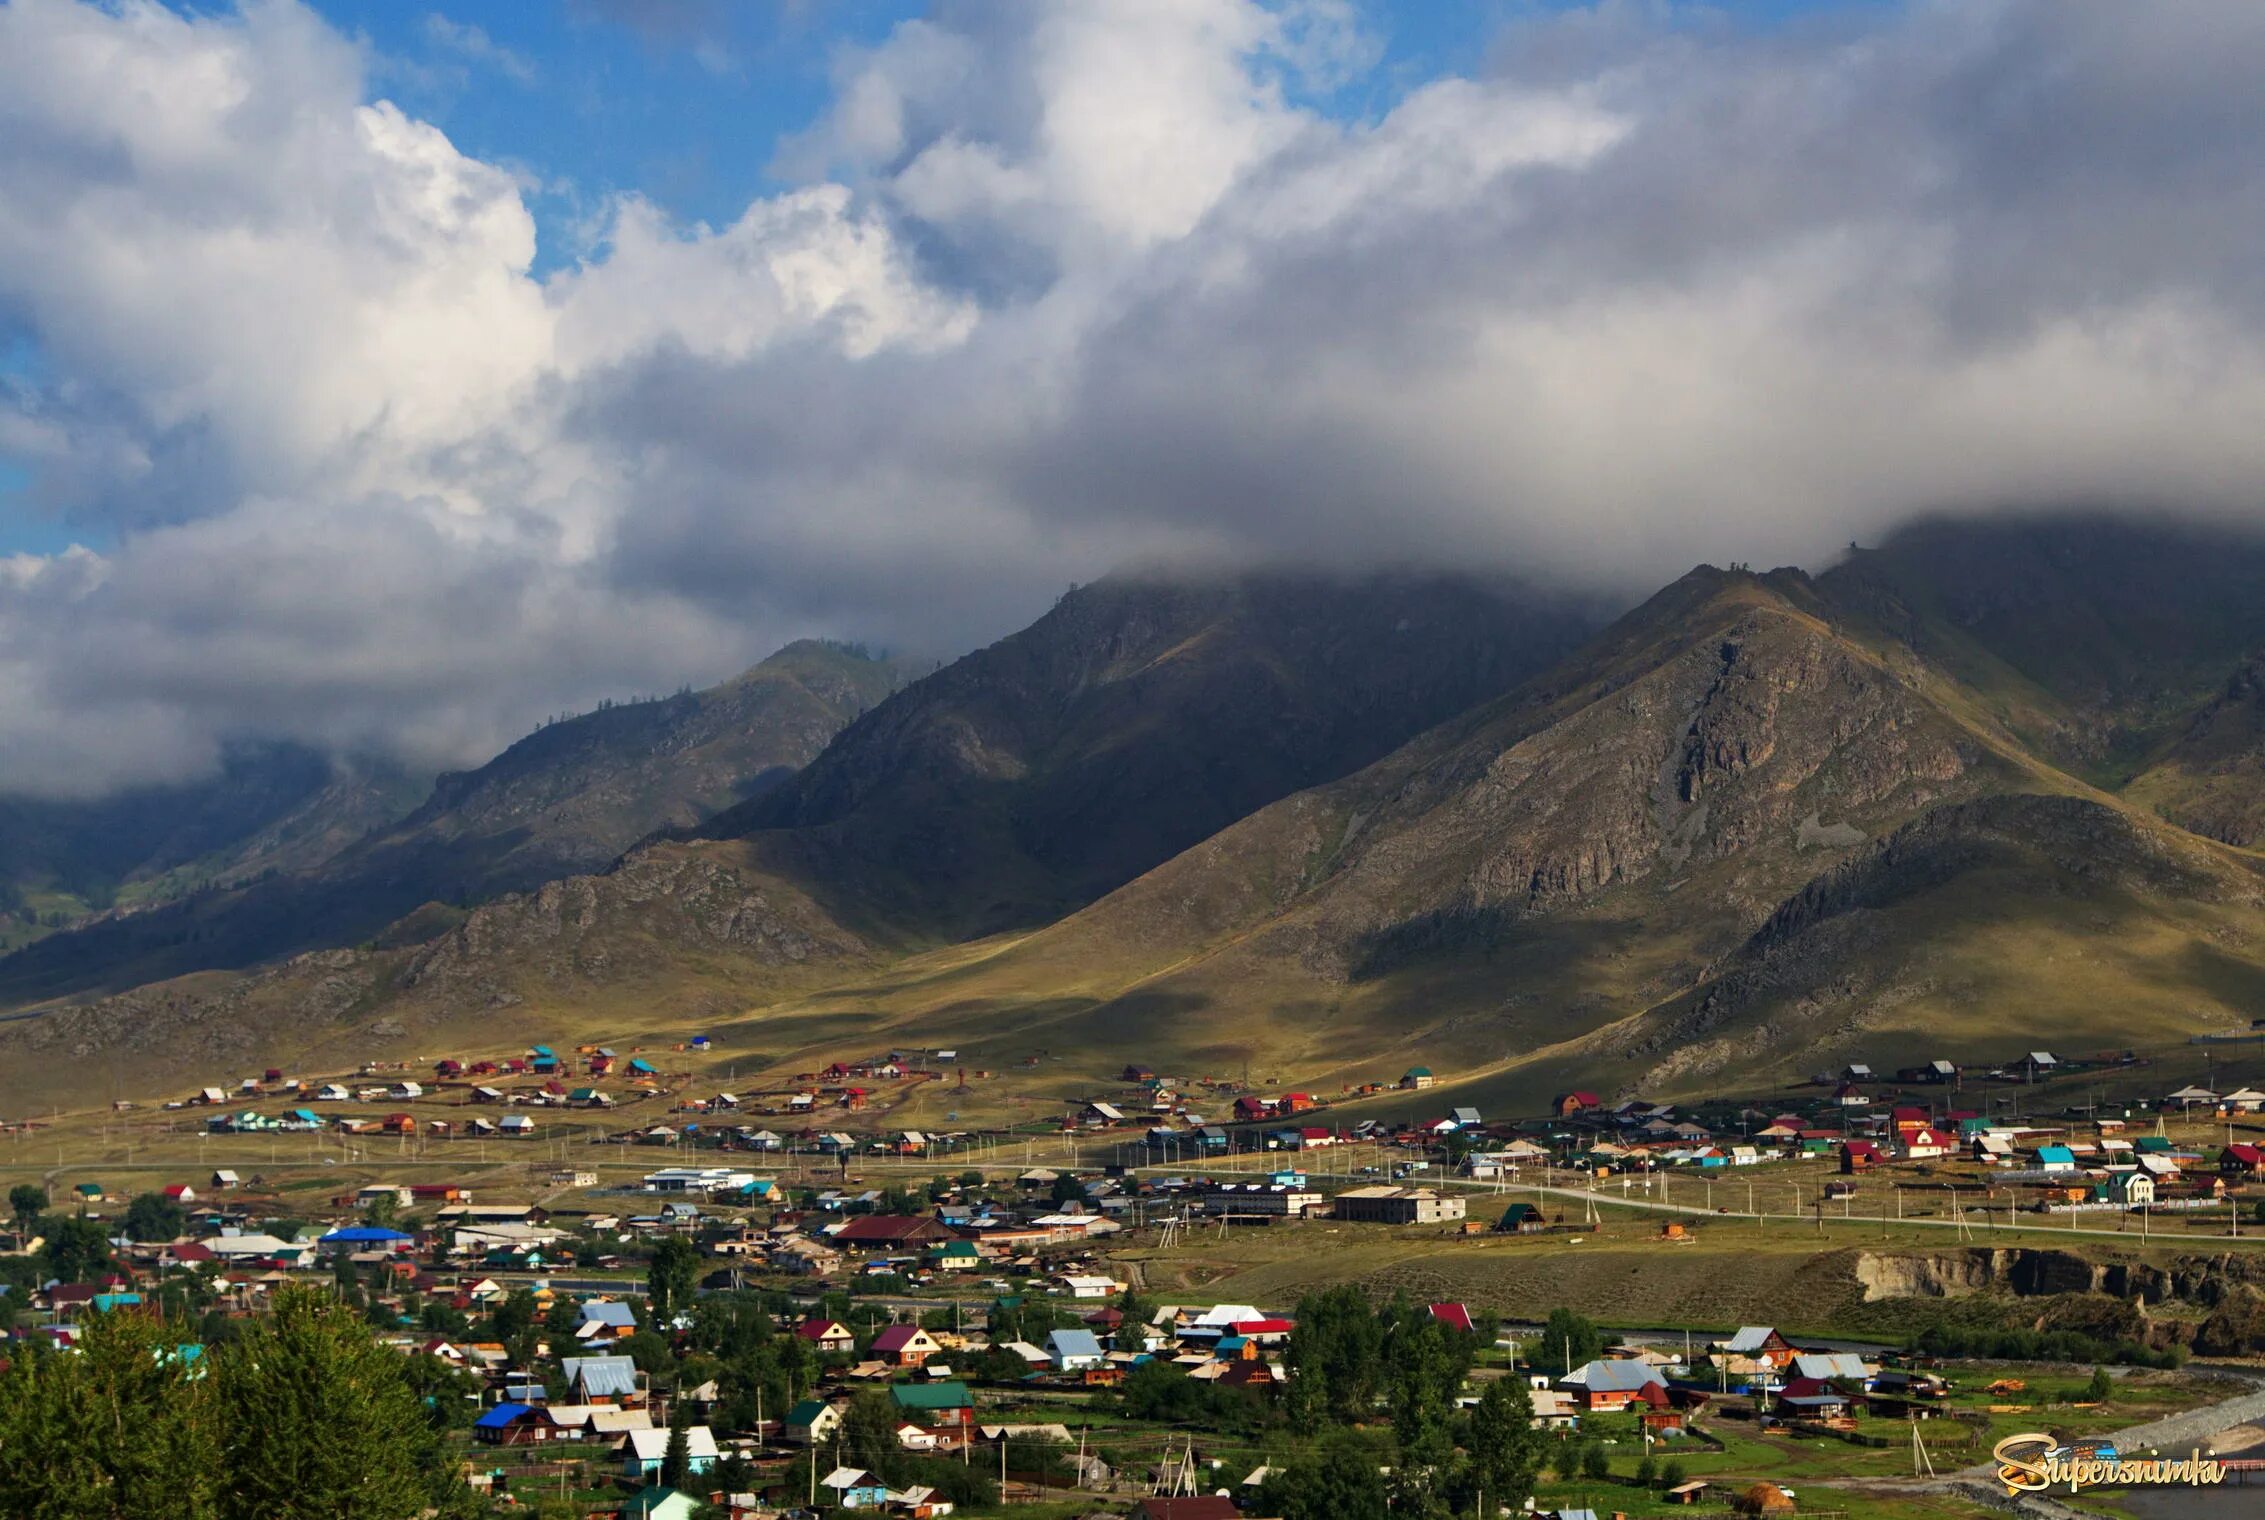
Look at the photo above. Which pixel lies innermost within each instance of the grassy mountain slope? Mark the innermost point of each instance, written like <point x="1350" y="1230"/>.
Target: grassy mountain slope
<point x="2094" y="639"/>
<point x="2211" y="779"/>
<point x="1728" y="795"/>
<point x="269" y="808"/>
<point x="1758" y="826"/>
<point x="675" y="937"/>
<point x="570" y="797"/>
<point x="2081" y="924"/>
<point x="1134" y="719"/>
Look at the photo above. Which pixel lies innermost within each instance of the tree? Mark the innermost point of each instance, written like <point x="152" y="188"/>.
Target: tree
<point x="153" y="1216"/>
<point x="27" y="1201"/>
<point x="1647" y="1471"/>
<point x="120" y="1427"/>
<point x="379" y="1211"/>
<point x="1595" y="1464"/>
<point x="2101" y="1388"/>
<point x="76" y="1249"/>
<point x="676" y="1461"/>
<point x="1342" y="1485"/>
<point x="1505" y="1449"/>
<point x="1568" y="1339"/>
<point x="323" y="1423"/>
<point x="1671" y="1473"/>
<point x="671" y="1277"/>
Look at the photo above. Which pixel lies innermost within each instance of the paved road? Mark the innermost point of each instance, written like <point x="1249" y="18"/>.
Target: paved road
<point x="1690" y="1209"/>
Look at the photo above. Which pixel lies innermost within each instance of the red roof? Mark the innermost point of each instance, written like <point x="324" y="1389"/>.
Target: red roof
<point x="891" y="1229"/>
<point x="1454" y="1316"/>
<point x="820" y="1329"/>
<point x="1197" y="1507"/>
<point x="1263" y="1326"/>
<point x="2247" y="1155"/>
<point x="896" y="1337"/>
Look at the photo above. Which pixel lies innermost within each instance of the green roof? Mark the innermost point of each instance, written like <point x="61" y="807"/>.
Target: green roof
<point x="932" y="1396"/>
<point x="805" y="1412"/>
<point x="649" y="1501"/>
<point x="1419" y="1071"/>
<point x="91" y="1189"/>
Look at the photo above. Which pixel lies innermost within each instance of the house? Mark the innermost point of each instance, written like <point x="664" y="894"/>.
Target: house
<point x="854" y="1488"/>
<point x="1813" y="1399"/>
<point x="1611" y="1383"/>
<point x="2055" y="1158"/>
<point x="364" y="1237"/>
<point x="181" y="1192"/>
<point x="224" y="1179"/>
<point x="643" y="1451"/>
<point x="1832" y="1366"/>
<point x="1569" y="1104"/>
<point x="936" y="1405"/>
<point x="2131" y="1189"/>
<point x="1926" y="1143"/>
<point x="1861" y="1155"/>
<point x="1074" y="1350"/>
<point x="512" y="1425"/>
<point x="2240" y="1160"/>
<point x="1454" y="1317"/>
<point x="655" y="1502"/>
<point x="1760" y="1343"/>
<point x="590" y="1379"/>
<point x="889" y="1232"/>
<point x="905" y="1345"/>
<point x="827" y="1335"/>
<point x="1187" y="1507"/>
<point x="812" y="1422"/>
<point x="1417" y="1078"/>
<point x="1394" y="1205"/>
<point x="605" y="1319"/>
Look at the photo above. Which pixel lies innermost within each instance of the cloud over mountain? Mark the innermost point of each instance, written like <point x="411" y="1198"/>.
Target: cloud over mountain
<point x="1056" y="288"/>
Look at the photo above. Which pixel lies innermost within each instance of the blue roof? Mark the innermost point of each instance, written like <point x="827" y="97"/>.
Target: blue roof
<point x="502" y="1415"/>
<point x="601" y="1376"/>
<point x="608" y="1312"/>
<point x="2055" y="1153"/>
<point x="640" y="1064"/>
<point x="363" y="1234"/>
<point x="542" y="1050"/>
<point x="1074" y="1343"/>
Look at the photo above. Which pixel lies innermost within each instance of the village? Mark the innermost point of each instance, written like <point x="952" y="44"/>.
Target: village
<point x="644" y="1294"/>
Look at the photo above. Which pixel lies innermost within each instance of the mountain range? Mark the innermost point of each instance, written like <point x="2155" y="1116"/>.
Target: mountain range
<point x="1988" y="785"/>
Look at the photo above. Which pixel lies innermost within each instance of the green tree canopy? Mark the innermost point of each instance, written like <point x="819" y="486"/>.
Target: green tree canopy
<point x="27" y="1201"/>
<point x="153" y="1216"/>
<point x="322" y="1423"/>
<point x="118" y="1429"/>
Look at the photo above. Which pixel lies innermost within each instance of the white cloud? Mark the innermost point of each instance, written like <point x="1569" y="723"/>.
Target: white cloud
<point x="473" y="43"/>
<point x="1063" y="287"/>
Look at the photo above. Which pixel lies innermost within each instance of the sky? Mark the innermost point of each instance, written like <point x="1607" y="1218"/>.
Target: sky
<point x="384" y="377"/>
